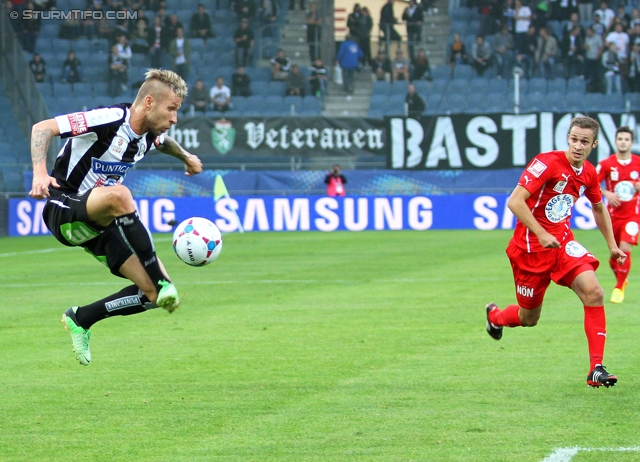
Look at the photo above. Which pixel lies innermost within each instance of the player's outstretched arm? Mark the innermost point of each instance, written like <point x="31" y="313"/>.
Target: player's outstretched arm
<point x="192" y="163"/>
<point x="41" y="135"/>
<point x="518" y="205"/>
<point x="603" y="221"/>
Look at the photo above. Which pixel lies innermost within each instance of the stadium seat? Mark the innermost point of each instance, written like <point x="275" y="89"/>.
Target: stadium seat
<point x="260" y="87"/>
<point x="312" y="105"/>
<point x="296" y="102"/>
<point x="422" y="86"/>
<point x="381" y="87"/>
<point x="399" y="87"/>
<point x="555" y="101"/>
<point x="63" y="90"/>
<point x="441" y="72"/>
<point x="458" y="87"/>
<point x="460" y="14"/>
<point x="557" y="86"/>
<point x="277" y="87"/>
<point x="536" y="85"/>
<point x="478" y="86"/>
<point x="375" y="113"/>
<point x="576" y="85"/>
<point x="455" y="104"/>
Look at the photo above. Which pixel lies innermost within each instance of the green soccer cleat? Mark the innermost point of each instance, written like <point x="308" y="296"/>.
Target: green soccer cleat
<point x="79" y="336"/>
<point x="168" y="297"/>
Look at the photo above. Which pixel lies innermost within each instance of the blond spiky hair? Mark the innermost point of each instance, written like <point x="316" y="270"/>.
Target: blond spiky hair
<point x="165" y="77"/>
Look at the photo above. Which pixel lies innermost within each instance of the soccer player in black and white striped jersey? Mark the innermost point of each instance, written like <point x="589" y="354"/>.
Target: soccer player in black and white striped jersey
<point x="88" y="206"/>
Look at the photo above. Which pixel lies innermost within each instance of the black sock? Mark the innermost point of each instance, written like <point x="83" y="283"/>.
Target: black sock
<point x="129" y="300"/>
<point x="140" y="241"/>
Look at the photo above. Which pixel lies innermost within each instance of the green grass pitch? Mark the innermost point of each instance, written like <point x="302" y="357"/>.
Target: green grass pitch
<point x="311" y="347"/>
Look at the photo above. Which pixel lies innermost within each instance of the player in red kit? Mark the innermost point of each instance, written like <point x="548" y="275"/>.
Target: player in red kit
<point x="621" y="172"/>
<point x="543" y="247"/>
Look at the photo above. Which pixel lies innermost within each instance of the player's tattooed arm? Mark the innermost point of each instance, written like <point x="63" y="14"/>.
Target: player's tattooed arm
<point x="41" y="136"/>
<point x="192" y="163"/>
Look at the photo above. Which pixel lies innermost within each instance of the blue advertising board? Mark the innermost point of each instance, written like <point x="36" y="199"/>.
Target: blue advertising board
<point x="315" y="213"/>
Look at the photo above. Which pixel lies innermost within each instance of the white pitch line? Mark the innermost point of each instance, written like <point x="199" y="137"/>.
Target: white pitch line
<point x="566" y="454"/>
<point x="58" y="249"/>
<point x="254" y="282"/>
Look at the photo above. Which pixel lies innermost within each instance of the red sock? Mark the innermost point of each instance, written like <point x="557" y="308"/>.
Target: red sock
<point x="595" y="326"/>
<point x="506" y="318"/>
<point x="622" y="271"/>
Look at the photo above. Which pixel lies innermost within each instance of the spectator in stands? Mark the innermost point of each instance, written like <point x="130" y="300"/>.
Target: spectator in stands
<point x="170" y="28"/>
<point x="162" y="13"/>
<point x="16" y="22"/>
<point x="606" y="15"/>
<point x="457" y="52"/>
<point x="635" y="18"/>
<point x="421" y="66"/>
<point x="400" y="67"/>
<point x="414" y="104"/>
<point x="634" y="35"/>
<point x="314" y="31"/>
<point x="623" y="17"/>
<point x="240" y="83"/>
<point x="540" y="15"/>
<point x="354" y="23"/>
<point x="503" y="46"/>
<point x="30" y="30"/>
<point x="156" y="43"/>
<point x="611" y="65"/>
<point x="70" y="28"/>
<point x="348" y="58"/>
<point x="201" y="24"/>
<point x="124" y="49"/>
<point x="565" y="9"/>
<point x="292" y="5"/>
<point x="509" y="15"/>
<point x="72" y="69"/>
<point x="598" y="25"/>
<point x="634" y="69"/>
<point x="87" y="25"/>
<point x="180" y="49"/>
<point x="280" y="66"/>
<point x="121" y="28"/>
<point x="117" y="72"/>
<point x="585" y="10"/>
<point x="140" y="30"/>
<point x="523" y="21"/>
<point x="268" y="13"/>
<point x="198" y="97"/>
<point x="568" y="27"/>
<point x="620" y="39"/>
<point x="245" y="9"/>
<point x="481" y="55"/>
<point x="104" y="28"/>
<point x="335" y="182"/>
<point x="381" y="67"/>
<point x="295" y="82"/>
<point x="243" y="37"/>
<point x="594" y="47"/>
<point x="387" y="21"/>
<point x="573" y="54"/>
<point x="412" y="17"/>
<point x="38" y="67"/>
<point x="365" y="35"/>
<point x="525" y="53"/>
<point x="546" y="52"/>
<point x="318" y="78"/>
<point x="220" y="96"/>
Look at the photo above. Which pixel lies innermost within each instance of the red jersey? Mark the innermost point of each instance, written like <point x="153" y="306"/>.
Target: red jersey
<point x="620" y="177"/>
<point x="554" y="186"/>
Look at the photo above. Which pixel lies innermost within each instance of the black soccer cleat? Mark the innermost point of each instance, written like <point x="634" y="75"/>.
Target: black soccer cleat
<point x="599" y="376"/>
<point x="494" y="331"/>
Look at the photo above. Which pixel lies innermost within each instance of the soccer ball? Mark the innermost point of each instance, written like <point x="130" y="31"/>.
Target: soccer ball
<point x="197" y="241"/>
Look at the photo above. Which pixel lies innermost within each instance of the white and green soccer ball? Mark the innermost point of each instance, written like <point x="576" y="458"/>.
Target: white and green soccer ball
<point x="197" y="241"/>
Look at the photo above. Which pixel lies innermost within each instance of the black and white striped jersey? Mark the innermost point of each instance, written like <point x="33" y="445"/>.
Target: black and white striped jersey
<point x="101" y="148"/>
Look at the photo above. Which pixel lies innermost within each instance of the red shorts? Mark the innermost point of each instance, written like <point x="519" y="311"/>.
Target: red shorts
<point x="626" y="230"/>
<point x="533" y="272"/>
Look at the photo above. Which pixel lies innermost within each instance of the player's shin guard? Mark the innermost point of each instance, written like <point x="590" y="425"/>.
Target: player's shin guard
<point x="140" y="241"/>
<point x="129" y="300"/>
<point x="595" y="327"/>
<point x="506" y="318"/>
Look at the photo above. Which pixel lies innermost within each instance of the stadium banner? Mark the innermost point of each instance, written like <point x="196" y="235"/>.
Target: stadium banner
<point x="492" y="141"/>
<point x="281" y="135"/>
<point x="314" y="213"/>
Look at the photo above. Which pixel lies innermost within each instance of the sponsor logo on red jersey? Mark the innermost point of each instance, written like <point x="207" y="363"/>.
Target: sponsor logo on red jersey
<point x="536" y="168"/>
<point x="78" y="123"/>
